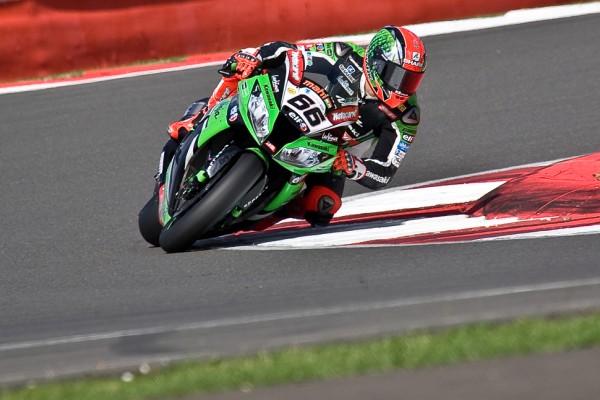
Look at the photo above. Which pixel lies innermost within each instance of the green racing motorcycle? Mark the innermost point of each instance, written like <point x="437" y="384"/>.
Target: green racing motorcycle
<point x="248" y="157"/>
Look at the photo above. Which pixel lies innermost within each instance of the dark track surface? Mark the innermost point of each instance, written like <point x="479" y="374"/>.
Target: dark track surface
<point x="77" y="165"/>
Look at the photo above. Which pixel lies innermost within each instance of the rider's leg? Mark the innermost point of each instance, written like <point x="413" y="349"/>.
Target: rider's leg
<point x="317" y="205"/>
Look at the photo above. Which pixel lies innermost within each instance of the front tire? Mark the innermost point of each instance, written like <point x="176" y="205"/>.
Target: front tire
<point x="181" y="232"/>
<point x="149" y="223"/>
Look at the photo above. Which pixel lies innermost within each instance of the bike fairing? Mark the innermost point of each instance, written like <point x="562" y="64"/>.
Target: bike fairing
<point x="207" y="153"/>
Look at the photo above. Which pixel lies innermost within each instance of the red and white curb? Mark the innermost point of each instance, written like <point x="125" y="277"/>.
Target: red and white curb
<point x="552" y="199"/>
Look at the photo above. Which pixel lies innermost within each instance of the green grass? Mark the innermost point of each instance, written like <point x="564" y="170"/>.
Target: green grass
<point x="467" y="343"/>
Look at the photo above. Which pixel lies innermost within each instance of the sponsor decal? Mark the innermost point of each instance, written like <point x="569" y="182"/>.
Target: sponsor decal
<point x="320" y="46"/>
<point x="316" y="146"/>
<point x="309" y="60"/>
<point x="296" y="179"/>
<point x="275" y="82"/>
<point x="292" y="90"/>
<point x="409" y="130"/>
<point x="386" y="110"/>
<point x="408" y="138"/>
<point x="353" y="129"/>
<point x="233" y="113"/>
<point x="348" y="71"/>
<point x="318" y="90"/>
<point x="217" y="110"/>
<point x="401" y="107"/>
<point x="249" y="203"/>
<point x="403" y="146"/>
<point x="378" y="178"/>
<point x="328" y="137"/>
<point x="346" y="101"/>
<point x="344" y="114"/>
<point x="346" y="85"/>
<point x="226" y="94"/>
<point x="398" y="157"/>
<point x="299" y="121"/>
<point x="413" y="62"/>
<point x="296" y="66"/>
<point x="267" y="95"/>
<point x="411" y="117"/>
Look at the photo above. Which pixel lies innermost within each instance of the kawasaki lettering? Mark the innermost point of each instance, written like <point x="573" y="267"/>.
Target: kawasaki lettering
<point x="317" y="146"/>
<point x="267" y="94"/>
<point x="377" y="178"/>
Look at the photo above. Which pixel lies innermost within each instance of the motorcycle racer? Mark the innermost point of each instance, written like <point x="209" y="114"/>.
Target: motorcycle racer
<point x="381" y="82"/>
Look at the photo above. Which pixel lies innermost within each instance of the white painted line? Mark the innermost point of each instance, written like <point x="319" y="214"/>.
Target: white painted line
<point x="316" y="312"/>
<point x="427" y="29"/>
<point x="52" y="85"/>
<point x="398" y="199"/>
<point x="582" y="230"/>
<point x="404" y="229"/>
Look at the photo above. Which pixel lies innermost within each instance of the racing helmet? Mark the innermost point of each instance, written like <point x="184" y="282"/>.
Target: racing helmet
<point x="394" y="64"/>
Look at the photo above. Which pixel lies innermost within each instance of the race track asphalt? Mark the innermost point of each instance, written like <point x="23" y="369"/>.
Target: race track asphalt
<point x="81" y="290"/>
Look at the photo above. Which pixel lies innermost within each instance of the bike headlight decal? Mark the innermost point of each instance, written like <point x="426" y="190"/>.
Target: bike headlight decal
<point x="302" y="157"/>
<point x="259" y="115"/>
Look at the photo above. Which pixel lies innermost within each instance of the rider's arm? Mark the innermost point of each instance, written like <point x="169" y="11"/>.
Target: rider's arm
<point x="395" y="138"/>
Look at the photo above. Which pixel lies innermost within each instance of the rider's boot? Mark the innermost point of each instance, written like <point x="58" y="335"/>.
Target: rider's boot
<point x="317" y="205"/>
<point x="177" y="131"/>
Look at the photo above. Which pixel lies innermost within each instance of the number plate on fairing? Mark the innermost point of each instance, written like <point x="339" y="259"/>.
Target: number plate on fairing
<point x="305" y="108"/>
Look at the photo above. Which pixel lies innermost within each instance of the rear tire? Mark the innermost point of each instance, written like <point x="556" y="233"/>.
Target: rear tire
<point x="181" y="232"/>
<point x="148" y="222"/>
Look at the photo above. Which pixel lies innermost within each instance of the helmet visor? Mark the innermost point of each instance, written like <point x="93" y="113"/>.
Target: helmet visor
<point x="398" y="79"/>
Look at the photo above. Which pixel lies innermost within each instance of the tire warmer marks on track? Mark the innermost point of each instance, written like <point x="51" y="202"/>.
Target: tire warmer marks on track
<point x="523" y="200"/>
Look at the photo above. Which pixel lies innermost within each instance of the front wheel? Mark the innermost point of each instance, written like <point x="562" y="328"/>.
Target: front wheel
<point x="148" y="221"/>
<point x="181" y="232"/>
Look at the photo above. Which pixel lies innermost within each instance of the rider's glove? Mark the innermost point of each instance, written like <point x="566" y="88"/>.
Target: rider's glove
<point x="241" y="63"/>
<point x="344" y="161"/>
<point x="351" y="166"/>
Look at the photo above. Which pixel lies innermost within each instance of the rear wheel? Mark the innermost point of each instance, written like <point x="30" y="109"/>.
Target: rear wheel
<point x="183" y="230"/>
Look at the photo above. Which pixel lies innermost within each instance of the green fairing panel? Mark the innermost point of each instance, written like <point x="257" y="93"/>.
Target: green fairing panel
<point x="288" y="193"/>
<point x="216" y="122"/>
